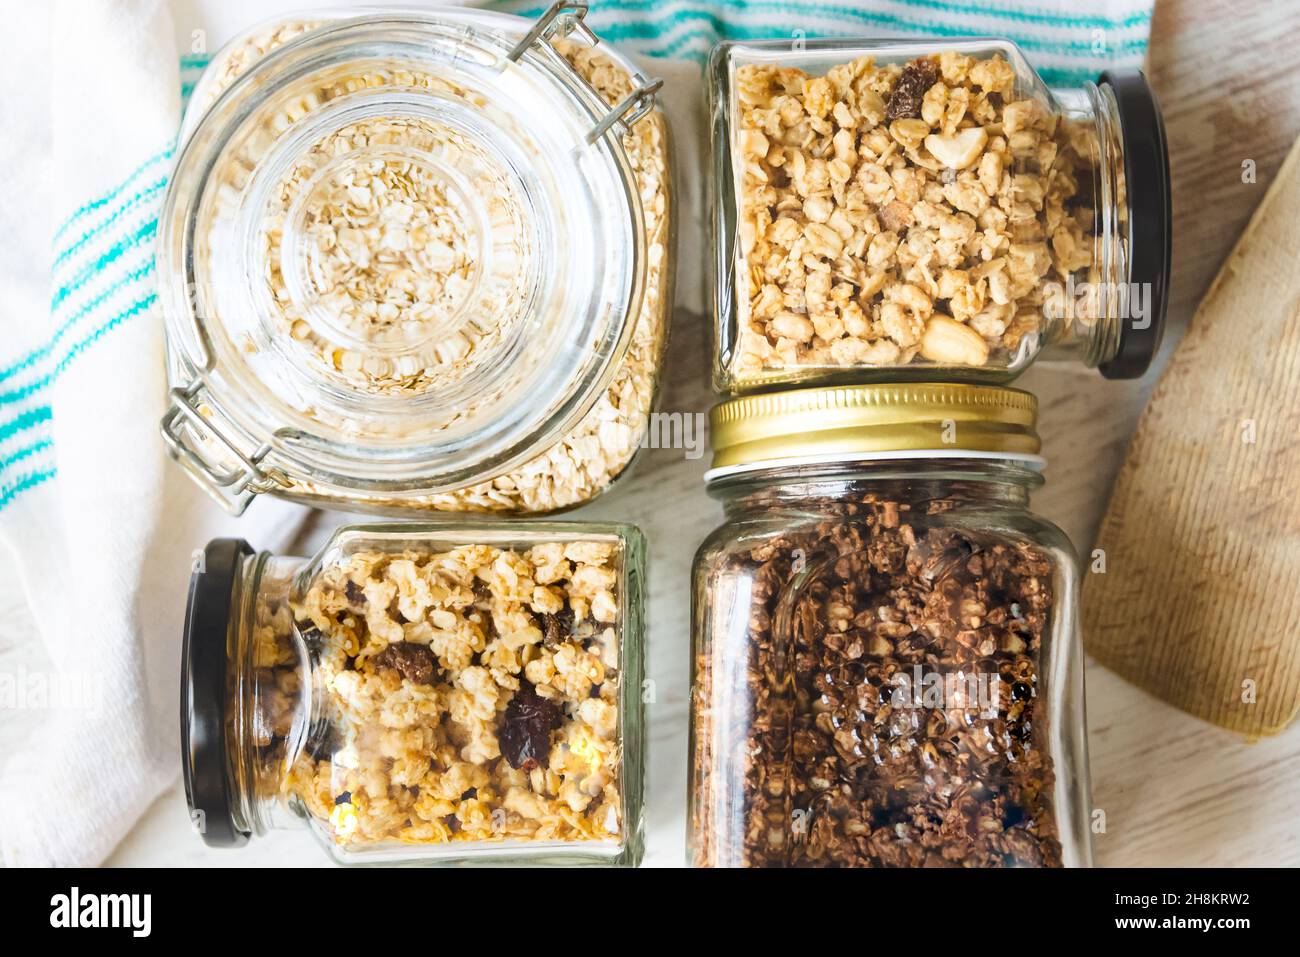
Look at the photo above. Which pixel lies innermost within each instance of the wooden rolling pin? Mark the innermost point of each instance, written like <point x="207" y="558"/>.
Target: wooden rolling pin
<point x="1200" y="599"/>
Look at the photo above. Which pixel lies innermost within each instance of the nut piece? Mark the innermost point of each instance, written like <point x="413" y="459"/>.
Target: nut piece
<point x="958" y="150"/>
<point x="947" y="341"/>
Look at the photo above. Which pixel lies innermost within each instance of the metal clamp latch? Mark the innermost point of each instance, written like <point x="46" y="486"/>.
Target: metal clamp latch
<point x="234" y="486"/>
<point x="563" y="18"/>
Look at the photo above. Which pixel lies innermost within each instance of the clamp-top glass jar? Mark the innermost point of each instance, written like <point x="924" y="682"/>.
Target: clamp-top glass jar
<point x="417" y="260"/>
<point x="930" y="209"/>
<point x="431" y="693"/>
<point x="887" y="665"/>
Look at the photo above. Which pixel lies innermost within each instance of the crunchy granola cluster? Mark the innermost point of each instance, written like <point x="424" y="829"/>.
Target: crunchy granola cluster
<point x="842" y="760"/>
<point x="467" y="695"/>
<point x="895" y="214"/>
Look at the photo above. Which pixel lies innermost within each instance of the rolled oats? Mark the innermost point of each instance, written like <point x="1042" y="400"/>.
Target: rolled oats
<point x="895" y="214"/>
<point x="388" y="254"/>
<point x="391" y="253"/>
<point x="588" y="459"/>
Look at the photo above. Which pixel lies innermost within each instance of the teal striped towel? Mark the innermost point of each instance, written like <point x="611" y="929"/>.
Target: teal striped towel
<point x="83" y="481"/>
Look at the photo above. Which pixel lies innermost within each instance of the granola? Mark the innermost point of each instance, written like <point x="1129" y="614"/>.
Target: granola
<point x="893" y="214"/>
<point x="817" y="699"/>
<point x="459" y="696"/>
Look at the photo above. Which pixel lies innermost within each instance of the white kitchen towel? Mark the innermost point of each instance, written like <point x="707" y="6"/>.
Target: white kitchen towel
<point x="99" y="526"/>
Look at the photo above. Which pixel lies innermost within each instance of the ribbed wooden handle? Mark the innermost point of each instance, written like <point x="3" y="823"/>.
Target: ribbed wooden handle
<point x="1200" y="600"/>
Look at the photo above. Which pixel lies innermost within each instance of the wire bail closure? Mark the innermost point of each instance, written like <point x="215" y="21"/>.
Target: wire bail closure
<point x="204" y="446"/>
<point x="566" y="17"/>
<point x="233" y="487"/>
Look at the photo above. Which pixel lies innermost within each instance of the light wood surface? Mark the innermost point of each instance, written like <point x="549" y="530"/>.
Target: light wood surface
<point x="1176" y="791"/>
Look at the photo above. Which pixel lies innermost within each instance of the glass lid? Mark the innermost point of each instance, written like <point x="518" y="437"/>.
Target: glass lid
<point x="402" y="250"/>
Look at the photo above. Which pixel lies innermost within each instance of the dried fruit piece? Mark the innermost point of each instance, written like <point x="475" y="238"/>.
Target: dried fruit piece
<point x="354" y="593"/>
<point x="556" y="628"/>
<point x="917" y="77"/>
<point x="311" y="638"/>
<point x="526" y="728"/>
<point x="413" y="662"/>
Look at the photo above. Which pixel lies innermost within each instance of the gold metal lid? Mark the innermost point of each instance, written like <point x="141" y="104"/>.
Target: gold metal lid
<point x="896" y="420"/>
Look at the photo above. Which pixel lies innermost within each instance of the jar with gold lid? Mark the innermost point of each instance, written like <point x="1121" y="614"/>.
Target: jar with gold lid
<point x="886" y="660"/>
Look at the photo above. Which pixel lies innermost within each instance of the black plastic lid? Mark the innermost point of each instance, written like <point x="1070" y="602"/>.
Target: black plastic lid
<point x="204" y="666"/>
<point x="1150" y="220"/>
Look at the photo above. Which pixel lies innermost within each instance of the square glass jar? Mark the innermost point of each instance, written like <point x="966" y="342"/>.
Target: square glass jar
<point x="929" y="209"/>
<point x="425" y="693"/>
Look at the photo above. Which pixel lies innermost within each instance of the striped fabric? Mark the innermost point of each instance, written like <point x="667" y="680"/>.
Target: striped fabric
<point x="1068" y="42"/>
<point x="101" y="277"/>
<point x="103" y="271"/>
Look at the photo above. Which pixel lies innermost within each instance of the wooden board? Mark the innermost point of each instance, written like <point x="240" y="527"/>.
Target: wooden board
<point x="1200" y="600"/>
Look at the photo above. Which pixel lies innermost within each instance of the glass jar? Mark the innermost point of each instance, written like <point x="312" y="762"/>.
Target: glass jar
<point x="904" y="209"/>
<point x="886" y="661"/>
<point x="416" y="260"/>
<point x="429" y="693"/>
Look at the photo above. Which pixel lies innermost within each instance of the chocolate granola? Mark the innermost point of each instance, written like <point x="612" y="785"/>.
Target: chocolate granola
<point x="891" y="677"/>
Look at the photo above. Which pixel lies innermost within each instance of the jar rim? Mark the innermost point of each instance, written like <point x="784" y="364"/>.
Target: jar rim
<point x="373" y="448"/>
<point x="1029" y="462"/>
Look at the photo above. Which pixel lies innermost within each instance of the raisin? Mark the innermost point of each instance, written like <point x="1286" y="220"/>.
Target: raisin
<point x="917" y="77"/>
<point x="323" y="741"/>
<point x="526" y="728"/>
<point x="311" y="637"/>
<point x="344" y="798"/>
<point x="557" y="627"/>
<point x="413" y="662"/>
<point x="355" y="595"/>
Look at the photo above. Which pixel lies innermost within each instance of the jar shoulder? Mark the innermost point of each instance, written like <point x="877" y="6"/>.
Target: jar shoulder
<point x="760" y="529"/>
